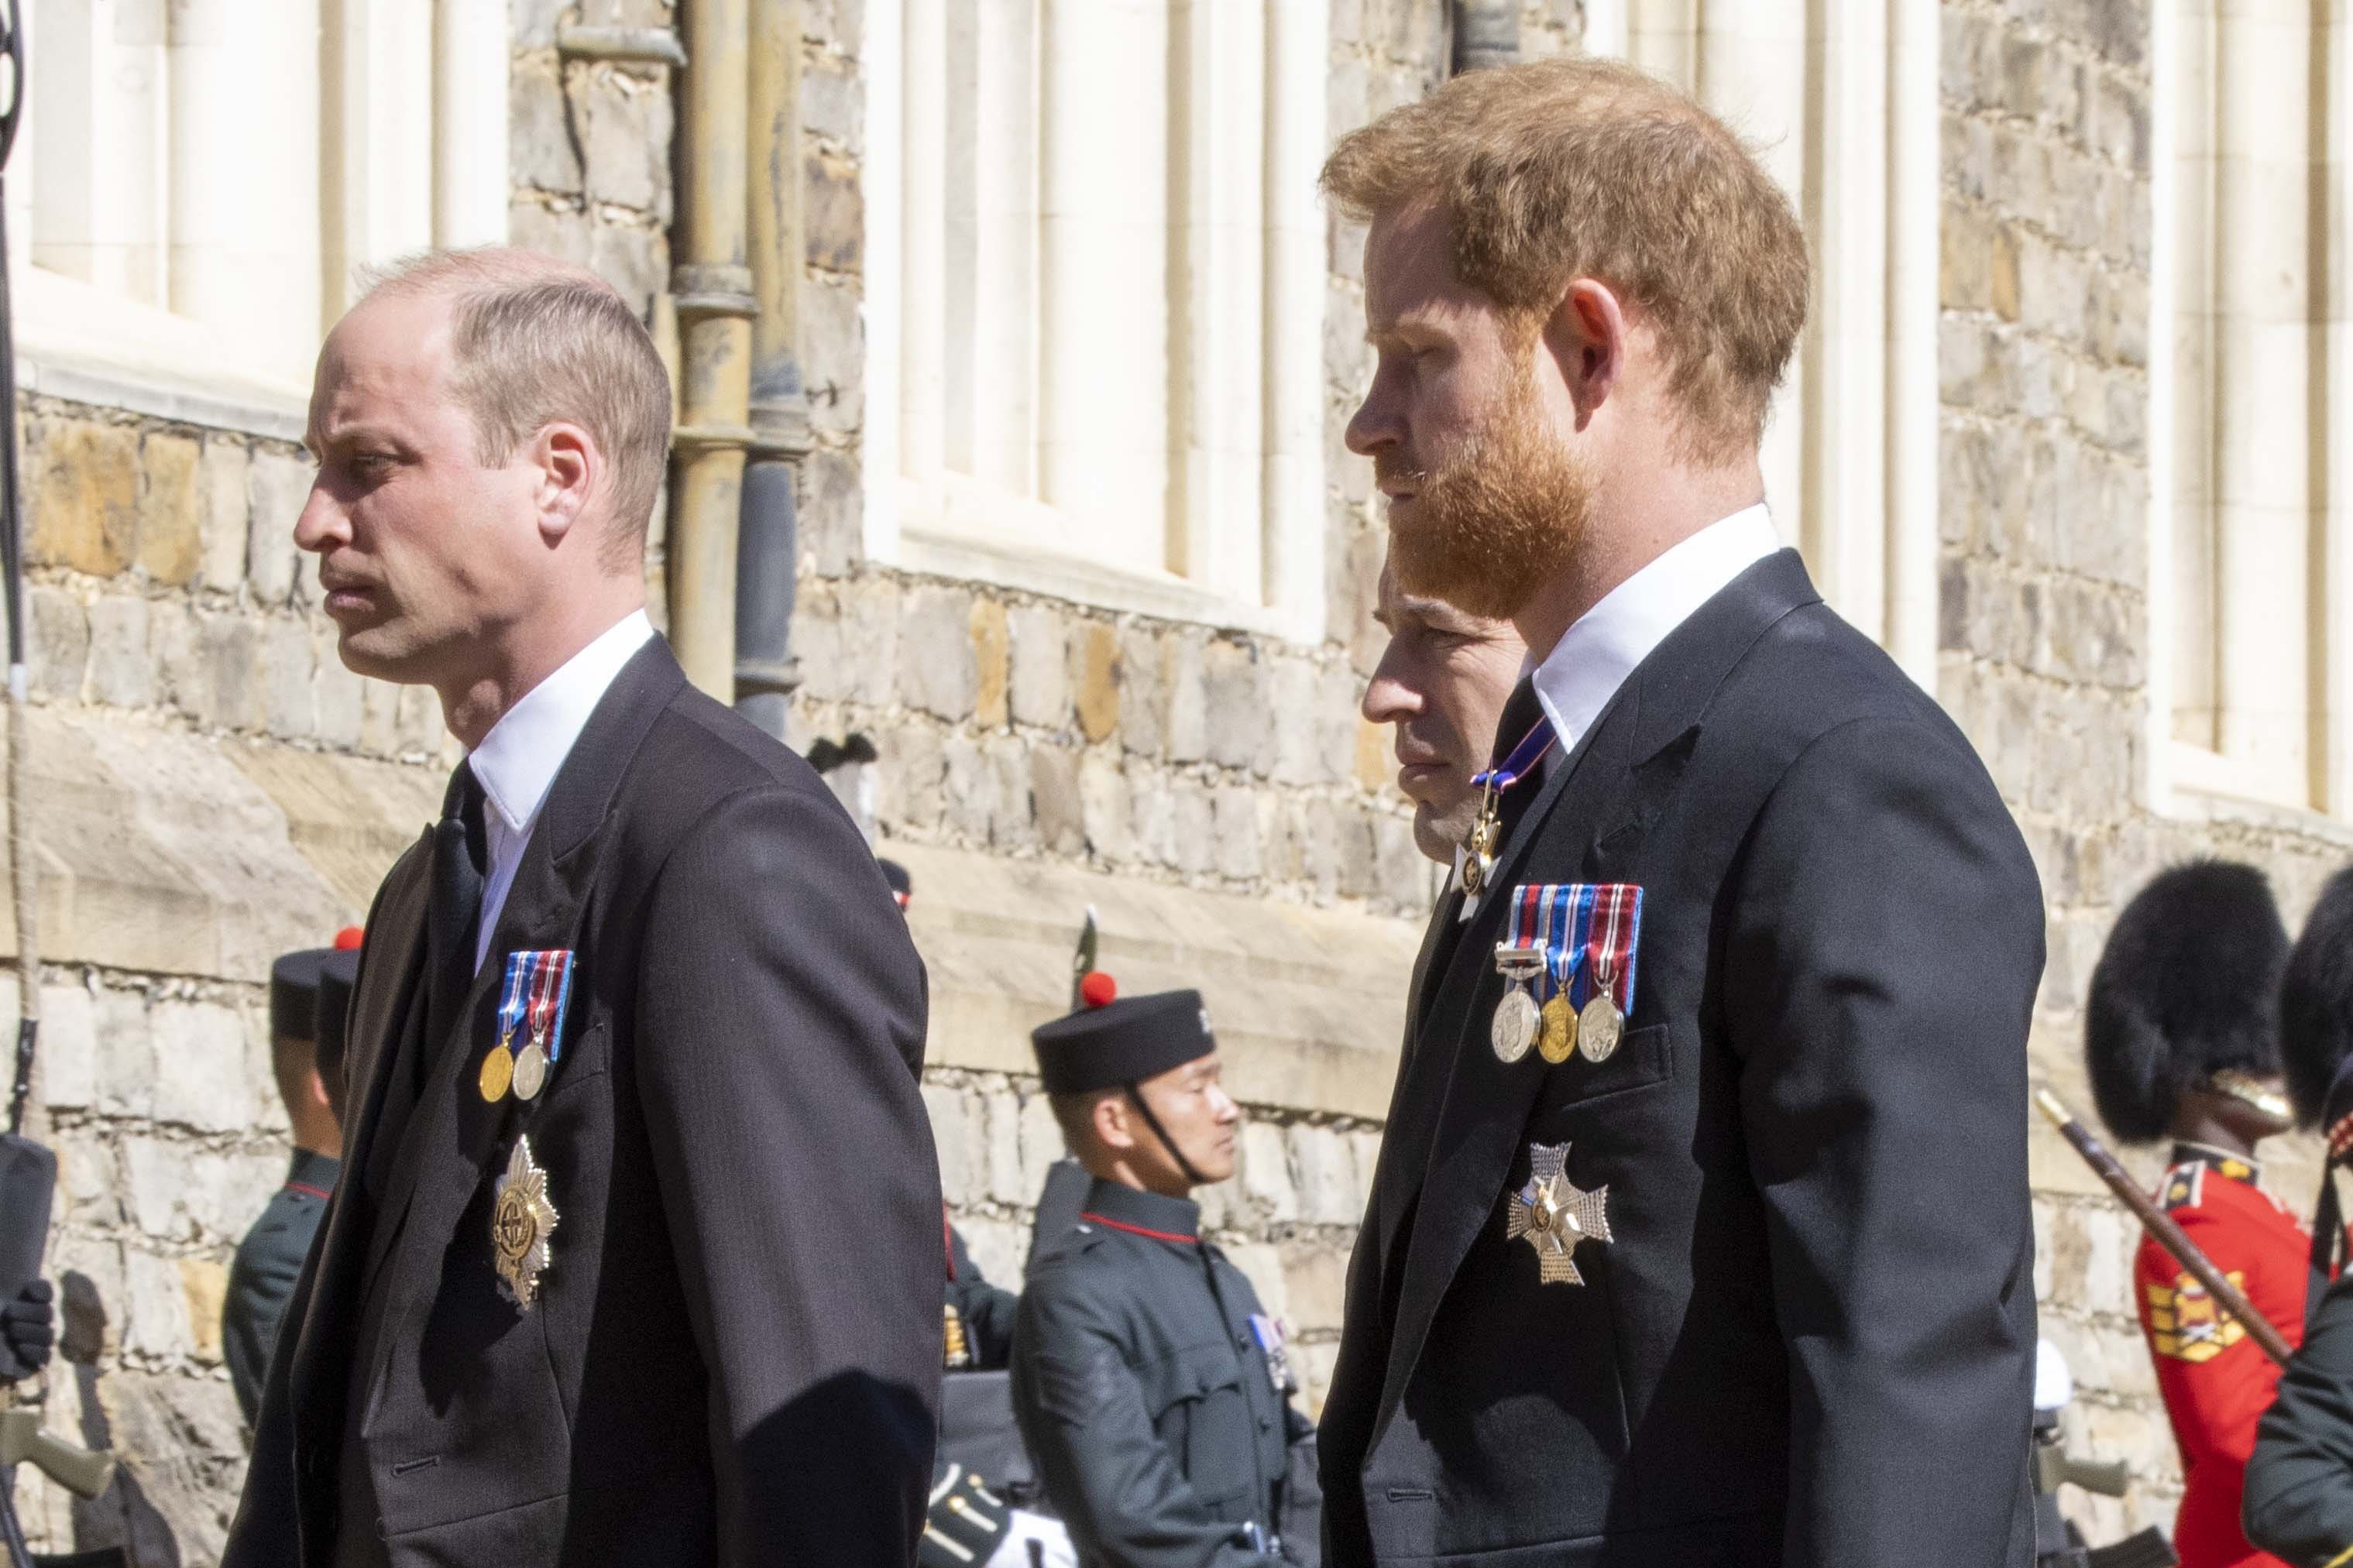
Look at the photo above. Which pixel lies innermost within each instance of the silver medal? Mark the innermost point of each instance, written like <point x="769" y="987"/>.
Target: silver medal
<point x="1598" y="1027"/>
<point x="1513" y="1027"/>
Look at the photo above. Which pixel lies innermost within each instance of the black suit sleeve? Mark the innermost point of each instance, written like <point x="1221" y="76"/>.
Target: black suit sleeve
<point x="1885" y="942"/>
<point x="779" y="1039"/>
<point x="2299" y="1496"/>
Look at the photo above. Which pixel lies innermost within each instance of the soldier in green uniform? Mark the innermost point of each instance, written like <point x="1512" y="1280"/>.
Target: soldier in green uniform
<point x="1152" y="1390"/>
<point x="308" y="994"/>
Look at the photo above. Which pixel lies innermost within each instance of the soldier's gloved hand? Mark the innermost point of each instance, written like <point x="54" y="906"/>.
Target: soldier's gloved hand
<point x="28" y="1331"/>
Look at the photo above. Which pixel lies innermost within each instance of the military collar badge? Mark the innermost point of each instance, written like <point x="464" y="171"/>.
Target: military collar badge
<point x="522" y="1217"/>
<point x="531" y="1007"/>
<point x="1555" y="1216"/>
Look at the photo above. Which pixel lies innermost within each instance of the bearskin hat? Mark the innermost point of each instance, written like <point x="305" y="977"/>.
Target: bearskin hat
<point x="2187" y="986"/>
<point x="2317" y="1000"/>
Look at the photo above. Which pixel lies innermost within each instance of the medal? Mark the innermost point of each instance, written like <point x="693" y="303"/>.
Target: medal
<point x="1513" y="1029"/>
<point x="1478" y="850"/>
<point x="551" y="982"/>
<point x="529" y="1071"/>
<point x="498" y="1066"/>
<point x="1269" y="1334"/>
<point x="522" y="1217"/>
<point x="1610" y="937"/>
<point x="1557" y="1040"/>
<point x="1554" y="1215"/>
<point x="498" y="1072"/>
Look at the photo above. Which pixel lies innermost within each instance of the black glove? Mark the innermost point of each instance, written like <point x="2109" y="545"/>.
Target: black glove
<point x="28" y="1329"/>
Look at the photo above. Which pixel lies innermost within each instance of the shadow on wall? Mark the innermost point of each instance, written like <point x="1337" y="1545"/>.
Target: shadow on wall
<point x="121" y="1516"/>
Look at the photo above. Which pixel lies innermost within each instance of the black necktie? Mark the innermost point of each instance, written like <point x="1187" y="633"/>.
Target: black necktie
<point x="1521" y="713"/>
<point x="453" y="902"/>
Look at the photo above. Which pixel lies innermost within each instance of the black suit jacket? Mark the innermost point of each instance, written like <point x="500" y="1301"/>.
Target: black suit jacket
<point x="1812" y="1341"/>
<point x="735" y="1356"/>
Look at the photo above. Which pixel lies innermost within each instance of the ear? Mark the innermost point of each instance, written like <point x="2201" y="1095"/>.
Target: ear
<point x="1586" y="338"/>
<point x="570" y="467"/>
<point x="1113" y="1128"/>
<point x="314" y="1090"/>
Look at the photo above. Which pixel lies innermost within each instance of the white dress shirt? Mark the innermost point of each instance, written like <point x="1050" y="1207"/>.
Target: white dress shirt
<point x="517" y="761"/>
<point x="1596" y="655"/>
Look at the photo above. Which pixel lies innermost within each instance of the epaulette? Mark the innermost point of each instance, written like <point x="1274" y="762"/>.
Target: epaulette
<point x="965" y="1522"/>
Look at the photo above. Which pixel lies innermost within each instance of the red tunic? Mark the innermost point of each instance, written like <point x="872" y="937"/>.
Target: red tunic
<point x="2217" y="1382"/>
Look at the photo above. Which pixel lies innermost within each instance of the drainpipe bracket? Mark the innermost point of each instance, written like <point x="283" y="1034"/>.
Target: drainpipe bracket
<point x="766" y="676"/>
<point x="710" y="438"/>
<point x="699" y="290"/>
<point x="627" y="46"/>
<point x="780" y="428"/>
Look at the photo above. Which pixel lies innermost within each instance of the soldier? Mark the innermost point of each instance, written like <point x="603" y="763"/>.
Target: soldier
<point x="2181" y="1039"/>
<point x="2299" y="1481"/>
<point x="1153" y="1391"/>
<point x="270" y="1256"/>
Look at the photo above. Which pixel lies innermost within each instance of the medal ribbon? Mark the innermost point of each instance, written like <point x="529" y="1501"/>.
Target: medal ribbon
<point x="1523" y="756"/>
<point x="544" y="995"/>
<point x="1548" y="919"/>
<point x="563" y="961"/>
<point x="510" y="1000"/>
<point x="1607" y="942"/>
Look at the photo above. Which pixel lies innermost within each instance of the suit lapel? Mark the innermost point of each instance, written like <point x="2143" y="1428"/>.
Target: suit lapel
<point x="1597" y="806"/>
<point x="395" y="968"/>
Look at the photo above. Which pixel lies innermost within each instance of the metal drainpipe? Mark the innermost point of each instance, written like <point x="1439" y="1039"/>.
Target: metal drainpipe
<point x="768" y="549"/>
<point x="1486" y="34"/>
<point x="712" y="288"/>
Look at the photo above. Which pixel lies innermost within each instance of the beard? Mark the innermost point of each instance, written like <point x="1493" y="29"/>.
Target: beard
<point x="1505" y="514"/>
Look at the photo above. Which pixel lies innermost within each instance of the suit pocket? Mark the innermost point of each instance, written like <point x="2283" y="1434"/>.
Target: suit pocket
<point x="1643" y="1057"/>
<point x="1203" y="1418"/>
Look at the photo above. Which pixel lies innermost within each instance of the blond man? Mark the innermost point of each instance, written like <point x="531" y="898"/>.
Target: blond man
<point x="636" y="1256"/>
<point x="1700" y="1231"/>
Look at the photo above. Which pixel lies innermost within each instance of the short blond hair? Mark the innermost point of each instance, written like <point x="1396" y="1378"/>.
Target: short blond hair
<point x="535" y="339"/>
<point x="1568" y="168"/>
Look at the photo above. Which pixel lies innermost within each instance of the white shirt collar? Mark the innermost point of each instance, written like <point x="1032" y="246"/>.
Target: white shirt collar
<point x="1596" y="654"/>
<point x="518" y="759"/>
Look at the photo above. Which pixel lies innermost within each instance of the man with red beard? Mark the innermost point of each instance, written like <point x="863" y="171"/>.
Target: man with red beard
<point x="1700" y="1232"/>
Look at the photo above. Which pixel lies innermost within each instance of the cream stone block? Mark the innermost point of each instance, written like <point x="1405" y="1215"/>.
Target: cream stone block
<point x="1308" y="1004"/>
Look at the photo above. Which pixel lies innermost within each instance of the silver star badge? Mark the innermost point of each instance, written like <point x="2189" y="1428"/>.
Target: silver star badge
<point x="521" y="1222"/>
<point x="1555" y="1216"/>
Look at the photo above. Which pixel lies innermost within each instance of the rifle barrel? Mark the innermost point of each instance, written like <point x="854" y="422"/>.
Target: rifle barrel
<point x="2226" y="1296"/>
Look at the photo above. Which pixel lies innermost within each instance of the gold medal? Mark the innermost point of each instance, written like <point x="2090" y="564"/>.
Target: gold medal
<point x="1554" y="1215"/>
<point x="498" y="1073"/>
<point x="1558" y="1037"/>
<point x="531" y="1071"/>
<point x="522" y="1218"/>
<point x="1599" y="1028"/>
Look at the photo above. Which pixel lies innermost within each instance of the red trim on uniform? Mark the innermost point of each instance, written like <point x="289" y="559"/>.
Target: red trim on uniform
<point x="307" y="1190"/>
<point x="1140" y="1230"/>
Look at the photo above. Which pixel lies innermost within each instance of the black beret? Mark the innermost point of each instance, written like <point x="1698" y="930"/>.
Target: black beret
<point x="2316" y="1006"/>
<point x="294" y="994"/>
<point x="2187" y="986"/>
<point x="896" y="875"/>
<point x="337" y="975"/>
<point x="1123" y="1042"/>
